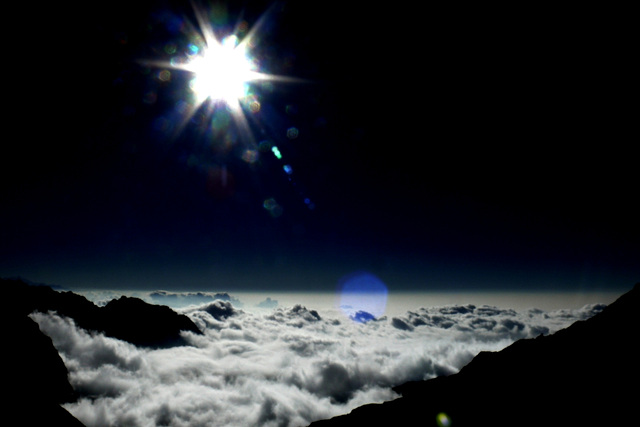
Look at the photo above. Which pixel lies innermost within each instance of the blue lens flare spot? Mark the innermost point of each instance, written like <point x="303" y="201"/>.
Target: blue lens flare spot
<point x="292" y="133"/>
<point x="288" y="169"/>
<point x="362" y="296"/>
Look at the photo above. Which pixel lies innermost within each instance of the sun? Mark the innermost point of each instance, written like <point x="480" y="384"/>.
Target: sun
<point x="222" y="73"/>
<point x="218" y="78"/>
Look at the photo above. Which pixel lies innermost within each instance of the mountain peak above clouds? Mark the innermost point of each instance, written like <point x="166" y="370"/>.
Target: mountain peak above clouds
<point x="38" y="379"/>
<point x="129" y="319"/>
<point x="582" y="375"/>
<point x="143" y="324"/>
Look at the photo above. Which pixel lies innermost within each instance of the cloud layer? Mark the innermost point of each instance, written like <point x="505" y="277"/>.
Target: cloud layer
<point x="183" y="299"/>
<point x="286" y="367"/>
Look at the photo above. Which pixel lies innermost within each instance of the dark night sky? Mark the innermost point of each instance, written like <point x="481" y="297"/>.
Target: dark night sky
<point x="440" y="148"/>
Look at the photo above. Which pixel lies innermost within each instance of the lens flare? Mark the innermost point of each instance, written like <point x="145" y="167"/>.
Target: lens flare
<point x="443" y="420"/>
<point x="223" y="70"/>
<point x="276" y="152"/>
<point x="362" y="296"/>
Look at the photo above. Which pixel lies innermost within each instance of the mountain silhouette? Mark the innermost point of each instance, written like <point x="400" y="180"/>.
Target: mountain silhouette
<point x="128" y="319"/>
<point x="584" y="375"/>
<point x="37" y="377"/>
<point x="142" y="324"/>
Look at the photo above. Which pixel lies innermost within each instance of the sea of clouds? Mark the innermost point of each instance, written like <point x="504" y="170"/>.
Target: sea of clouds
<point x="286" y="366"/>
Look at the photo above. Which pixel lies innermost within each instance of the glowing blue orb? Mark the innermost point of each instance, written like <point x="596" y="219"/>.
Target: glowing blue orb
<point x="362" y="296"/>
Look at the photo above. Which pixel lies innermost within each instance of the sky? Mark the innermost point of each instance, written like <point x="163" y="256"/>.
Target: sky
<point x="440" y="149"/>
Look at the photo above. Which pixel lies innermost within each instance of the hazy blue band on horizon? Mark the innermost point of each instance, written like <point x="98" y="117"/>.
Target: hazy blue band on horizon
<point x="396" y="303"/>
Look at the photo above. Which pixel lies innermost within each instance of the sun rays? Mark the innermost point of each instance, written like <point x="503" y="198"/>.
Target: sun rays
<point x="223" y="72"/>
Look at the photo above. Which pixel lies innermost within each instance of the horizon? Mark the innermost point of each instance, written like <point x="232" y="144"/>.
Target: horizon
<point x="398" y="302"/>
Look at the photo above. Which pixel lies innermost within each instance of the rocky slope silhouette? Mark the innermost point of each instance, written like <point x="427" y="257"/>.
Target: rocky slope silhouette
<point x="128" y="319"/>
<point x="37" y="377"/>
<point x="584" y="375"/>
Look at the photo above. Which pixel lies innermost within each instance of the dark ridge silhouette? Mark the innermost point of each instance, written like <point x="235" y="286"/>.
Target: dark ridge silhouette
<point x="45" y="373"/>
<point x="148" y="325"/>
<point x="128" y="319"/>
<point x="36" y="382"/>
<point x="37" y="377"/>
<point x="584" y="375"/>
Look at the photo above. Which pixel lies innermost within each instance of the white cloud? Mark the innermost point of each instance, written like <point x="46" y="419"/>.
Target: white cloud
<point x="287" y="367"/>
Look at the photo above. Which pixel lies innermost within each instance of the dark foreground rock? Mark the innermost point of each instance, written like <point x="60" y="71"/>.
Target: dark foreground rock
<point x="584" y="375"/>
<point x="128" y="319"/>
<point x="36" y="383"/>
<point x="36" y="380"/>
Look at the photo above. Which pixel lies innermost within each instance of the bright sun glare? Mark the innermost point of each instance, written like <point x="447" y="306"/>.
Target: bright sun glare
<point x="223" y="91"/>
<point x="222" y="72"/>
